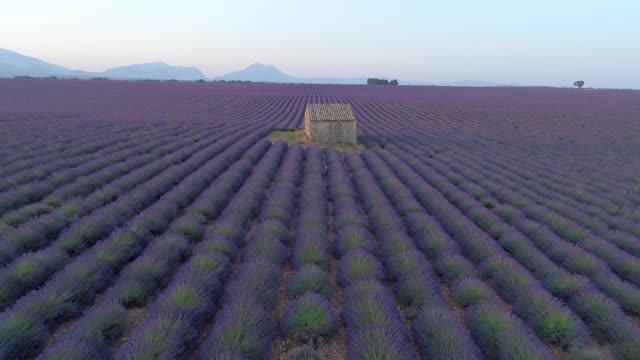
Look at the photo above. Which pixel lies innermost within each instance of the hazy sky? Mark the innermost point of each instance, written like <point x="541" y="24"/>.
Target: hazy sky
<point x="541" y="42"/>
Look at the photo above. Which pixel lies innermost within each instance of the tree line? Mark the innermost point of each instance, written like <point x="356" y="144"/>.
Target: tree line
<point x="374" y="81"/>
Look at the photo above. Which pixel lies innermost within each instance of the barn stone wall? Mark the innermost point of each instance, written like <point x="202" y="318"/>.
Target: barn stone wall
<point x="307" y="122"/>
<point x="332" y="132"/>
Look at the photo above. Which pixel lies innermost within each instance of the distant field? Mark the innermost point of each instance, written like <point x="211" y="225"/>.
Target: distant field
<point x="143" y="220"/>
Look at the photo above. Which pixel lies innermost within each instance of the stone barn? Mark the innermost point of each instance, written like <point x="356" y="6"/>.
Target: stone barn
<point x="330" y="123"/>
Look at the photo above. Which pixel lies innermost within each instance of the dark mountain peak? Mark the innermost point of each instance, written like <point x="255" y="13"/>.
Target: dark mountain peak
<point x="155" y="70"/>
<point x="156" y="64"/>
<point x="261" y="66"/>
<point x="13" y="63"/>
<point x="259" y="72"/>
<point x="19" y="64"/>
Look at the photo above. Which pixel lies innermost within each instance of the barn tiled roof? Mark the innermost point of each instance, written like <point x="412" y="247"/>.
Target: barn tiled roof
<point x="330" y="112"/>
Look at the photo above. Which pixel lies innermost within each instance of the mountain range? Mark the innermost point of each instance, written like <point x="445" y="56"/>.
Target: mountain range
<point x="15" y="64"/>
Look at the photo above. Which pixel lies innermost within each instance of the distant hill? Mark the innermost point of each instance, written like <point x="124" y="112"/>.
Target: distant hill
<point x="156" y="70"/>
<point x="268" y="73"/>
<point x="15" y="64"/>
<point x="258" y="73"/>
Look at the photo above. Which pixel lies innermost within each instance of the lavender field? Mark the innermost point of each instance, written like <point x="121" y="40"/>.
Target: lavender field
<point x="149" y="220"/>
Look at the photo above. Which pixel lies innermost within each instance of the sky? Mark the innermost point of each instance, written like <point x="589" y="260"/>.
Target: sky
<point x="534" y="42"/>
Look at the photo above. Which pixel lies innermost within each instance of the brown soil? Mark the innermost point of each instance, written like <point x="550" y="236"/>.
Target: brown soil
<point x="235" y="266"/>
<point x="135" y="317"/>
<point x="279" y="345"/>
<point x="298" y="136"/>
<point x="282" y="292"/>
<point x="456" y="309"/>
<point x="336" y="346"/>
<point x="501" y="303"/>
<point x="331" y="348"/>
<point x="559" y="352"/>
<point x="401" y="309"/>
<point x="60" y="330"/>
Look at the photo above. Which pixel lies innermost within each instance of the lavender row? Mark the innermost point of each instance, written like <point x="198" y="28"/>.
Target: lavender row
<point x="138" y="282"/>
<point x="44" y="164"/>
<point x="416" y="283"/>
<point x="454" y="143"/>
<point x="569" y="256"/>
<point x="88" y="183"/>
<point x="242" y="327"/>
<point x="58" y="175"/>
<point x="29" y="324"/>
<point x="606" y="213"/>
<point x="556" y="277"/>
<point x="60" y="140"/>
<point x="611" y="217"/>
<point x="93" y="270"/>
<point x="179" y="313"/>
<point x="201" y="277"/>
<point x="373" y="323"/>
<point x="460" y="144"/>
<point x="558" y="181"/>
<point x="528" y="298"/>
<point x="581" y="297"/>
<point x="374" y="328"/>
<point x="18" y="159"/>
<point x="34" y="191"/>
<point x="37" y="232"/>
<point x="311" y="245"/>
<point x="623" y="264"/>
<point x="83" y="233"/>
<point x="504" y="336"/>
<point x="53" y="168"/>
<point x="49" y="225"/>
<point x="151" y="269"/>
<point x="576" y="260"/>
<point x="594" y="220"/>
<point x="308" y="317"/>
